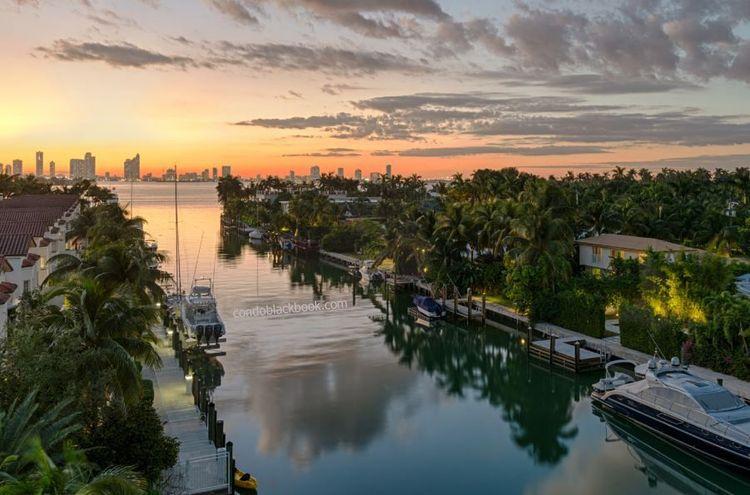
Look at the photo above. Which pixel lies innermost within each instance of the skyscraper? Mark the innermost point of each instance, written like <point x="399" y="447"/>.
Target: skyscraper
<point x="132" y="168"/>
<point x="89" y="164"/>
<point x="17" y="167"/>
<point x="358" y="174"/>
<point x="77" y="166"/>
<point x="315" y="172"/>
<point x="39" y="163"/>
<point x="374" y="177"/>
<point x="215" y="173"/>
<point x="204" y="174"/>
<point x="8" y="169"/>
<point x="340" y="172"/>
<point x="291" y="175"/>
<point x="52" y="169"/>
<point x="226" y="170"/>
<point x="388" y="170"/>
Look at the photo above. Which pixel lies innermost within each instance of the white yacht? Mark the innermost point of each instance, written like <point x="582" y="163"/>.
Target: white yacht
<point x="199" y="313"/>
<point x="696" y="414"/>
<point x="255" y="235"/>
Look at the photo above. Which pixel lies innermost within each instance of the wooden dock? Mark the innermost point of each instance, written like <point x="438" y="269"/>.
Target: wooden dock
<point x="569" y="353"/>
<point x="339" y="259"/>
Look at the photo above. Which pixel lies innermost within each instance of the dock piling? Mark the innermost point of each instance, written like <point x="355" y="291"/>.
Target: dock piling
<point x="552" y="343"/>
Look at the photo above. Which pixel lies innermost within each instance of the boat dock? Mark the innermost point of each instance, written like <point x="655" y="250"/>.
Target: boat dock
<point x="339" y="259"/>
<point x="569" y="353"/>
<point x="202" y="467"/>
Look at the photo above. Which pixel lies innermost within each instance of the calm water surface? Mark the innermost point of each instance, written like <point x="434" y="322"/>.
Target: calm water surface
<point x="337" y="403"/>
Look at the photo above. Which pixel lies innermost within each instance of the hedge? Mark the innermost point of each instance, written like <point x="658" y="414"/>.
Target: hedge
<point x="639" y="329"/>
<point x="576" y="309"/>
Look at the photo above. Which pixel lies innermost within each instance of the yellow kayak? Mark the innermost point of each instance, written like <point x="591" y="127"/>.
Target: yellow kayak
<point x="244" y="480"/>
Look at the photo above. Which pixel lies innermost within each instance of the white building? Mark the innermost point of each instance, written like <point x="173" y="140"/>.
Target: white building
<point x="597" y="252"/>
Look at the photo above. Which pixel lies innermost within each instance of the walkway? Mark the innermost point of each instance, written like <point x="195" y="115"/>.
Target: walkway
<point x="202" y="467"/>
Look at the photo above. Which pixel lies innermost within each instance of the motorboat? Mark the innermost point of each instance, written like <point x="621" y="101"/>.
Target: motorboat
<point x="664" y="463"/>
<point x="286" y="243"/>
<point x="694" y="413"/>
<point x="199" y="313"/>
<point x="428" y="307"/>
<point x="370" y="274"/>
<point x="743" y="284"/>
<point x="255" y="235"/>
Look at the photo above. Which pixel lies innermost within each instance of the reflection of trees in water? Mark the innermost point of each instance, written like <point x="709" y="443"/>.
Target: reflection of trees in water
<point x="230" y="245"/>
<point x="536" y="402"/>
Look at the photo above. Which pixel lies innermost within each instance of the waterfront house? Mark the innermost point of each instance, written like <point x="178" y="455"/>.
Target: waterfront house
<point x="598" y="251"/>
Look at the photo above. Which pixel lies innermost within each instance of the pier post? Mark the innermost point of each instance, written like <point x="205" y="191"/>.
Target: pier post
<point x="468" y="305"/>
<point x="230" y="450"/>
<point x="530" y="333"/>
<point x="552" y="343"/>
<point x="455" y="302"/>
<point x="577" y="355"/>
<point x="219" y="434"/>
<point x="484" y="307"/>
<point x="211" y="420"/>
<point x="720" y="382"/>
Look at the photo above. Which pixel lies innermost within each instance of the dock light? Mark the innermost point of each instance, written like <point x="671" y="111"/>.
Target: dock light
<point x="523" y="341"/>
<point x="189" y="378"/>
<point x="170" y="333"/>
<point x="158" y="305"/>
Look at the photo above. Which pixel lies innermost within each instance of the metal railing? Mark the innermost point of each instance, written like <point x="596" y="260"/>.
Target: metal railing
<point x="205" y="474"/>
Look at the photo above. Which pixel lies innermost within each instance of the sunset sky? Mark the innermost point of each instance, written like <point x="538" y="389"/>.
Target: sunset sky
<point x="432" y="86"/>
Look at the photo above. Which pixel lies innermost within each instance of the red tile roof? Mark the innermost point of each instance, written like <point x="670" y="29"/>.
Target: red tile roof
<point x="15" y="244"/>
<point x="4" y="265"/>
<point x="64" y="201"/>
<point x="28" y="262"/>
<point x="35" y="229"/>
<point x="8" y="287"/>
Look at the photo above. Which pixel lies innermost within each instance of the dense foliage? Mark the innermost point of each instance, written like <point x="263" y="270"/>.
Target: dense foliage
<point x="84" y="358"/>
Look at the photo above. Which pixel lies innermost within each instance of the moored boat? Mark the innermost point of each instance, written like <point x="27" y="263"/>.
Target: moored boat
<point x="692" y="412"/>
<point x="255" y="235"/>
<point x="428" y="307"/>
<point x="370" y="274"/>
<point x="200" y="315"/>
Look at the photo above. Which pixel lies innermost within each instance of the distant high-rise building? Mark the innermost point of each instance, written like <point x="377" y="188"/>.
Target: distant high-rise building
<point x="358" y="174"/>
<point x="205" y="175"/>
<point x="5" y="169"/>
<point x="374" y="177"/>
<point x="52" y="169"/>
<point x="169" y="175"/>
<point x="291" y="175"/>
<point x="315" y="172"/>
<point x="17" y="167"/>
<point x="226" y="170"/>
<point x="132" y="167"/>
<point x="214" y="173"/>
<point x="106" y="175"/>
<point x="89" y="163"/>
<point x="39" y="163"/>
<point x="340" y="172"/>
<point x="76" y="168"/>
<point x="388" y="170"/>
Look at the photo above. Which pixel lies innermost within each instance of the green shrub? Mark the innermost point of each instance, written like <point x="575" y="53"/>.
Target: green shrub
<point x="642" y="331"/>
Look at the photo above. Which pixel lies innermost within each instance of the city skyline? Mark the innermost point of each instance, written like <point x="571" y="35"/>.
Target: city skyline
<point x="434" y="87"/>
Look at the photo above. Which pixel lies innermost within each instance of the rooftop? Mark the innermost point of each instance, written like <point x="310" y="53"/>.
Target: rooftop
<point x="15" y="244"/>
<point x="633" y="243"/>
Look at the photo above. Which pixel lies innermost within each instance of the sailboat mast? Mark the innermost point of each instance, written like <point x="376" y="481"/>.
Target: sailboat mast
<point x="178" y="275"/>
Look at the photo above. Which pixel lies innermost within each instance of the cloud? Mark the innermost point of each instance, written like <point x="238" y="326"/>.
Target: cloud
<point x="500" y="150"/>
<point x="235" y="10"/>
<point x="337" y="89"/>
<point x="115" y="54"/>
<point x="325" y="59"/>
<point x="328" y="153"/>
<point x="532" y="120"/>
<point x="708" y="162"/>
<point x="597" y="84"/>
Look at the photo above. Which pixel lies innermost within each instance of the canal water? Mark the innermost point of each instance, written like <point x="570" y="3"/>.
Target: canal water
<point x="349" y="396"/>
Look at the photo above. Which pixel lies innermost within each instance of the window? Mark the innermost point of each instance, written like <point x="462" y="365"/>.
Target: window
<point x="719" y="401"/>
<point x="25" y="286"/>
<point x="596" y="254"/>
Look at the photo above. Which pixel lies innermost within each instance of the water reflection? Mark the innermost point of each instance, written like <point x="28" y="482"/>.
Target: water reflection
<point x="662" y="463"/>
<point x="536" y="402"/>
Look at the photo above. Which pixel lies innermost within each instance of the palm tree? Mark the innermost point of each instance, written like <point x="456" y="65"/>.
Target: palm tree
<point x="37" y="457"/>
<point x="116" y="330"/>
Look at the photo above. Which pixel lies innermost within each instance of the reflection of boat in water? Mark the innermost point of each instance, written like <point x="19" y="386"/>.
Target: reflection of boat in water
<point x="199" y="313"/>
<point x="692" y="412"/>
<point x="662" y="462"/>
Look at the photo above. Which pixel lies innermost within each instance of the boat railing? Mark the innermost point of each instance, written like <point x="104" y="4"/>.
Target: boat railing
<point x="696" y="417"/>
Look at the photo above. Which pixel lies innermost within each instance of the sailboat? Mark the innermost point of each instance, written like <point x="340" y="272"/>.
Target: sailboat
<point x="197" y="310"/>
